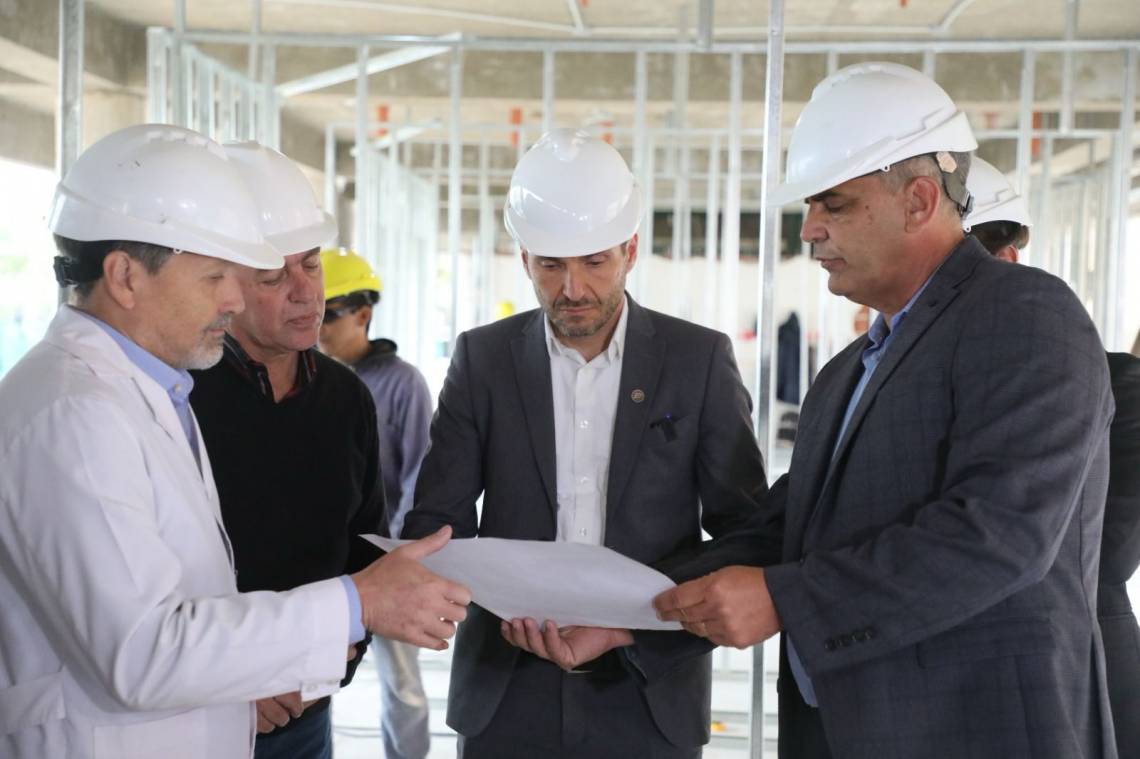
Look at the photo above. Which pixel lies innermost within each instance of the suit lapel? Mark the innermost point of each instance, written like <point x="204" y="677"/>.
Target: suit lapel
<point x="640" y="370"/>
<point x="532" y="371"/>
<point x="811" y="456"/>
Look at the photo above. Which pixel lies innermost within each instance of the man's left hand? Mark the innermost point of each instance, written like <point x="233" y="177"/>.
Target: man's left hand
<point x="567" y="647"/>
<point x="730" y="607"/>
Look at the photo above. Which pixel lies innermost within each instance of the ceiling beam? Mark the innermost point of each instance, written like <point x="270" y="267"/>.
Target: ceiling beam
<point x="390" y="60"/>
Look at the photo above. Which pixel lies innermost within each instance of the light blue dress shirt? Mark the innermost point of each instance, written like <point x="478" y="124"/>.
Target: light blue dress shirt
<point x="178" y="383"/>
<point x="880" y="336"/>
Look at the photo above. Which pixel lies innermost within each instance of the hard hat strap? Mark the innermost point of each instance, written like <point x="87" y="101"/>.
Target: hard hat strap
<point x="73" y="271"/>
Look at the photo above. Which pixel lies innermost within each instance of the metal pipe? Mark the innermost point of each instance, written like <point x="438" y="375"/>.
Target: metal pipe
<point x="547" y="91"/>
<point x="252" y="62"/>
<point x="454" y="188"/>
<point x="484" y="269"/>
<point x="1066" y="121"/>
<point x="360" y="212"/>
<point x="627" y="44"/>
<point x="69" y="105"/>
<point x="330" y="179"/>
<point x="270" y="115"/>
<point x="728" y="321"/>
<point x="1117" y="255"/>
<point x="642" y="167"/>
<point x="679" y="157"/>
<point x="576" y="17"/>
<point x="386" y="62"/>
<point x="178" y="81"/>
<point x="769" y="248"/>
<point x="157" y="50"/>
<point x="1025" y="123"/>
<point x="202" y="116"/>
<point x="712" y="217"/>
<point x="705" y="24"/>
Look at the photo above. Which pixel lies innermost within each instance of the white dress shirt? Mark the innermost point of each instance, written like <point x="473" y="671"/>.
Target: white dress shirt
<point x="585" y="404"/>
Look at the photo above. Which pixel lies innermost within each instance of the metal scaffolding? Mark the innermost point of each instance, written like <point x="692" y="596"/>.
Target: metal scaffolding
<point x="1080" y="202"/>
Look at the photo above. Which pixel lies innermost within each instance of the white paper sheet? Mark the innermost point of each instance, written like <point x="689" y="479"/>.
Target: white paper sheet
<point x="568" y="583"/>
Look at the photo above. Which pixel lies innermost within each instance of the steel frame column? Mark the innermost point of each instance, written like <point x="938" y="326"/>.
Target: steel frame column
<point x="712" y="219"/>
<point x="728" y="321"/>
<point x="642" y="170"/>
<point x="1119" y="251"/>
<point x="69" y="106"/>
<point x="1025" y="127"/>
<point x="359" y="213"/>
<point x="547" y="90"/>
<point x="454" y="188"/>
<point x="769" y="248"/>
<point x="680" y="247"/>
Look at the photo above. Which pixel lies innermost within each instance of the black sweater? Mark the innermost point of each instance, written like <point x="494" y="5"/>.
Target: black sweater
<point x="298" y="480"/>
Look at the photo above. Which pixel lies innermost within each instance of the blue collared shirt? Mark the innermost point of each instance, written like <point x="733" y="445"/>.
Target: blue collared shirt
<point x="178" y="383"/>
<point x="880" y="336"/>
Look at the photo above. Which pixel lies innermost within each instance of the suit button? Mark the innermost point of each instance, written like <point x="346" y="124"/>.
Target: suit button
<point x="829" y="644"/>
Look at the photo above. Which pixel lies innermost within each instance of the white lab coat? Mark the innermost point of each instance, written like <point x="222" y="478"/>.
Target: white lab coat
<point x="121" y="630"/>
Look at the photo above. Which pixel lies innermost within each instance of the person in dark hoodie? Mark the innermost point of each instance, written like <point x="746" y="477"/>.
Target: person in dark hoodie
<point x="403" y="416"/>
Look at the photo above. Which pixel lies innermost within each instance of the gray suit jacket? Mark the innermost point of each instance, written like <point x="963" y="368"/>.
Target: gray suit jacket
<point x="939" y="575"/>
<point x="493" y="433"/>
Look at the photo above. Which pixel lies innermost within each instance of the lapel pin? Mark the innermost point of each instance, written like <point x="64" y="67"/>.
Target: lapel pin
<point x="637" y="396"/>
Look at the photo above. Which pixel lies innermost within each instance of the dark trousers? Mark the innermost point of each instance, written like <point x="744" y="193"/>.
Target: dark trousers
<point x="549" y="714"/>
<point x="310" y="738"/>
<point x="801" y="728"/>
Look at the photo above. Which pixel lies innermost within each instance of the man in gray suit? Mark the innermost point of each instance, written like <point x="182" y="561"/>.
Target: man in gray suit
<point x="941" y="518"/>
<point x="594" y="420"/>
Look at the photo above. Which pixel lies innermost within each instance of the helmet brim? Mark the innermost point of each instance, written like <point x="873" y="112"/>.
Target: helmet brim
<point x="540" y="242"/>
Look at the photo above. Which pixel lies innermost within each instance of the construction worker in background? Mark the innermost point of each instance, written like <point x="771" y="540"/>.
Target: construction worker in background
<point x="935" y="580"/>
<point x="403" y="415"/>
<point x="123" y="632"/>
<point x="1001" y="222"/>
<point x="294" y="436"/>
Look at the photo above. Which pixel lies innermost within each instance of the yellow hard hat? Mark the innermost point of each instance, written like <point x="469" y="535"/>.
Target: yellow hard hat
<point x="346" y="272"/>
<point x="503" y="309"/>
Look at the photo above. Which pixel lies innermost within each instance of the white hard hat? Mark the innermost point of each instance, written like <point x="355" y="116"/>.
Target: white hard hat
<point x="163" y="185"/>
<point x="290" y="218"/>
<point x="571" y="195"/>
<point x="994" y="197"/>
<point x="865" y="118"/>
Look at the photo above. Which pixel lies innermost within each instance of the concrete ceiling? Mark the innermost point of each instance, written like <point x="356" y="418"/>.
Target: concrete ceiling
<point x="646" y="18"/>
<point x="589" y="87"/>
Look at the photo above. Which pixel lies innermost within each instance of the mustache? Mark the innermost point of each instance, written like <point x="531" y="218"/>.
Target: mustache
<point x="222" y="322"/>
<point x="564" y="302"/>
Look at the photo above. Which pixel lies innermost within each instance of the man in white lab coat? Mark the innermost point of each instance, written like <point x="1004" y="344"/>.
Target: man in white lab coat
<point x="122" y="633"/>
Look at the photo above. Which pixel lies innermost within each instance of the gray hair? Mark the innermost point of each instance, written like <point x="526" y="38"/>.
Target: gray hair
<point x="898" y="175"/>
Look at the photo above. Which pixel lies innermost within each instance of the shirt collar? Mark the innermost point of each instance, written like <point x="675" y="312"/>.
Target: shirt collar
<point x="176" y="382"/>
<point x="613" y="351"/>
<point x="879" y="331"/>
<point x="257" y="375"/>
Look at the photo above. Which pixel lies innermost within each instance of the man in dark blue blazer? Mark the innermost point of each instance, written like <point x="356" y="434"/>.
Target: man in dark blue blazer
<point x="942" y="514"/>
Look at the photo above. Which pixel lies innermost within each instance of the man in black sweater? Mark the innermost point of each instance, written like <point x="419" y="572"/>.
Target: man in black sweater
<point x="292" y="437"/>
